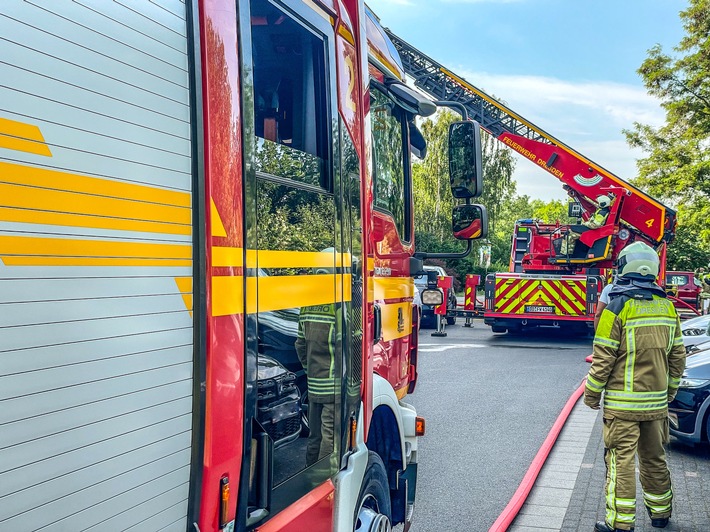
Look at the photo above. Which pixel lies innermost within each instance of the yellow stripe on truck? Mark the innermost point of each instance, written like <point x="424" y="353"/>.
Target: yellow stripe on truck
<point x="22" y="137"/>
<point x="68" y="182"/>
<point x="20" y="250"/>
<point x="392" y="288"/>
<point x="277" y="292"/>
<point x="39" y="199"/>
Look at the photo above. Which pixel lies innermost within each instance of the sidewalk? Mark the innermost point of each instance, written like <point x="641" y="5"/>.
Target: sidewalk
<point x="568" y="493"/>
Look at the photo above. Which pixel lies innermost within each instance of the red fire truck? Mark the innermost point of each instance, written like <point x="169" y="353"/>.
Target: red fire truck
<point x="206" y="261"/>
<point x="550" y="283"/>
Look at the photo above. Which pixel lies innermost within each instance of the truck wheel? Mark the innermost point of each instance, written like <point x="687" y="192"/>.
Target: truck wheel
<point x="498" y="329"/>
<point x="374" y="510"/>
<point x="451" y="320"/>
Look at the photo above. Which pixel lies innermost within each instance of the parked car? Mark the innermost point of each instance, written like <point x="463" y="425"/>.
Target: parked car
<point x="685" y="287"/>
<point x="695" y="331"/>
<point x="689" y="412"/>
<point x="428" y="318"/>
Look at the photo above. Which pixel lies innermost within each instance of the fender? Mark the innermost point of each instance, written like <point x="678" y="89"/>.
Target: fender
<point x="349" y="480"/>
<point x="697" y="436"/>
<point x="392" y="434"/>
<point x="383" y="395"/>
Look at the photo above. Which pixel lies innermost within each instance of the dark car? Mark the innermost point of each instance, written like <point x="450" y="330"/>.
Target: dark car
<point x="428" y="318"/>
<point x="685" y="287"/>
<point x="689" y="412"/>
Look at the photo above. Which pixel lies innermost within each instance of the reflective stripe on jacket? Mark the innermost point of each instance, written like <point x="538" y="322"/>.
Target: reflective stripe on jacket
<point x="638" y="356"/>
<point x="597" y="219"/>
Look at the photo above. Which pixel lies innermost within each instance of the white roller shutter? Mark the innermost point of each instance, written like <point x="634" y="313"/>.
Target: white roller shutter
<point x="96" y="354"/>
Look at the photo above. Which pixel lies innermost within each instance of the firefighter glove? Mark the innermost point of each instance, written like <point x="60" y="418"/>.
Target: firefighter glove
<point x="592" y="400"/>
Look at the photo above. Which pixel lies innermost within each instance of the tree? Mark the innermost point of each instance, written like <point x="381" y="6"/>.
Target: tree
<point x="677" y="166"/>
<point x="550" y="212"/>
<point x="498" y="167"/>
<point x="432" y="194"/>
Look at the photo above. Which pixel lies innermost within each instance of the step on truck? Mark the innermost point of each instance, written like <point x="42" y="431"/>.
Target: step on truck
<point x="206" y="266"/>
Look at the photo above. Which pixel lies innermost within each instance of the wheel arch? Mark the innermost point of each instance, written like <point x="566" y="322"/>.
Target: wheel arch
<point x="386" y="431"/>
<point x="386" y="437"/>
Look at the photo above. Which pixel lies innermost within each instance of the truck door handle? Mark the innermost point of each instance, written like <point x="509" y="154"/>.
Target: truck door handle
<point x="377" y="324"/>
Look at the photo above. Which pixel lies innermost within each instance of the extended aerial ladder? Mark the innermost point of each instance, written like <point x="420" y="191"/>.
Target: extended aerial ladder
<point x="583" y="179"/>
<point x="546" y="285"/>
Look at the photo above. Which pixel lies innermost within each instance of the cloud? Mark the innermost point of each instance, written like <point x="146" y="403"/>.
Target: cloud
<point x="587" y="115"/>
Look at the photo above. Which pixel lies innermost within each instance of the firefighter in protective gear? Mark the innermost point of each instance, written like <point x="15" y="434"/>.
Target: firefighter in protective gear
<point x="318" y="346"/>
<point x="637" y="362"/>
<point x="595" y="221"/>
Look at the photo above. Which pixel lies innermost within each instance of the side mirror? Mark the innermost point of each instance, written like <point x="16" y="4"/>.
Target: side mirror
<point x="470" y="222"/>
<point x="574" y="210"/>
<point x="465" y="164"/>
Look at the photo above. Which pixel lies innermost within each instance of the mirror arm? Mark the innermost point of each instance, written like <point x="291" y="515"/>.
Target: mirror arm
<point x="424" y="255"/>
<point x="454" y="105"/>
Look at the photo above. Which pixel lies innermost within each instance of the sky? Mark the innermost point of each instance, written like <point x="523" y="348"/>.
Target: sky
<point x="568" y="66"/>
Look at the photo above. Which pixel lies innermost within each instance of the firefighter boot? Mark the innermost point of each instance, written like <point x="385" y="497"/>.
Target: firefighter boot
<point x="657" y="522"/>
<point x="601" y="526"/>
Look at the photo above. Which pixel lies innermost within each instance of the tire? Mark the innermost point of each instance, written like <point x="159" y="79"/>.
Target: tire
<point x="451" y="320"/>
<point x="373" y="512"/>
<point x="707" y="428"/>
<point x="498" y="329"/>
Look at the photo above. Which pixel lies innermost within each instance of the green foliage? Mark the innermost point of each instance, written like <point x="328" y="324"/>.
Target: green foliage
<point x="498" y="167"/>
<point x="684" y="254"/>
<point x="552" y="211"/>
<point x="432" y="194"/>
<point x="677" y="163"/>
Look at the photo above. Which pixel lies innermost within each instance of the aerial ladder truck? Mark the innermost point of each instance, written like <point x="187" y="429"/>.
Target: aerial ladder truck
<point x="552" y="279"/>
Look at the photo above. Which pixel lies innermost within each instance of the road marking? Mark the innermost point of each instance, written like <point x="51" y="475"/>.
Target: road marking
<point x="432" y="348"/>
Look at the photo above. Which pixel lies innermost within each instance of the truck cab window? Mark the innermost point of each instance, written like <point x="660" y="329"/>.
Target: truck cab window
<point x="290" y="110"/>
<point x="388" y="153"/>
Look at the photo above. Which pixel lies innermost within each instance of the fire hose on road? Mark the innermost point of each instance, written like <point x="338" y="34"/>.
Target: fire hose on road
<point x="510" y="512"/>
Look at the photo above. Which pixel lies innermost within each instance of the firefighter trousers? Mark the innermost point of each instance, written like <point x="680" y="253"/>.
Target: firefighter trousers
<point x="321" y="423"/>
<point x="623" y="440"/>
<point x="568" y="243"/>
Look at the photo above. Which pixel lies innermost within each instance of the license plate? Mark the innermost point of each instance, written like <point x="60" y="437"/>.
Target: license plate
<point x="540" y="309"/>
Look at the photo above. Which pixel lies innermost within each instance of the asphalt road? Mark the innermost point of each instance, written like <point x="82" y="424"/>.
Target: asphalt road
<point x="489" y="401"/>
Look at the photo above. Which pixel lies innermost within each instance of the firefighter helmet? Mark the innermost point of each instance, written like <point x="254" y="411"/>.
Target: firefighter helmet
<point x="638" y="260"/>
<point x="604" y="201"/>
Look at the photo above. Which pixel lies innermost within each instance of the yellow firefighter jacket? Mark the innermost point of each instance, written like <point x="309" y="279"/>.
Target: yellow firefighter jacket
<point x="597" y="219"/>
<point x="638" y="355"/>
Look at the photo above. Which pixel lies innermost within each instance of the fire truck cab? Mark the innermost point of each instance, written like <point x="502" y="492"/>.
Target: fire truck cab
<point x="206" y="261"/>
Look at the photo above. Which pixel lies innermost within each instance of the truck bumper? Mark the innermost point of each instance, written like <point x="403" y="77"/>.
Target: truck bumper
<point x="535" y="320"/>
